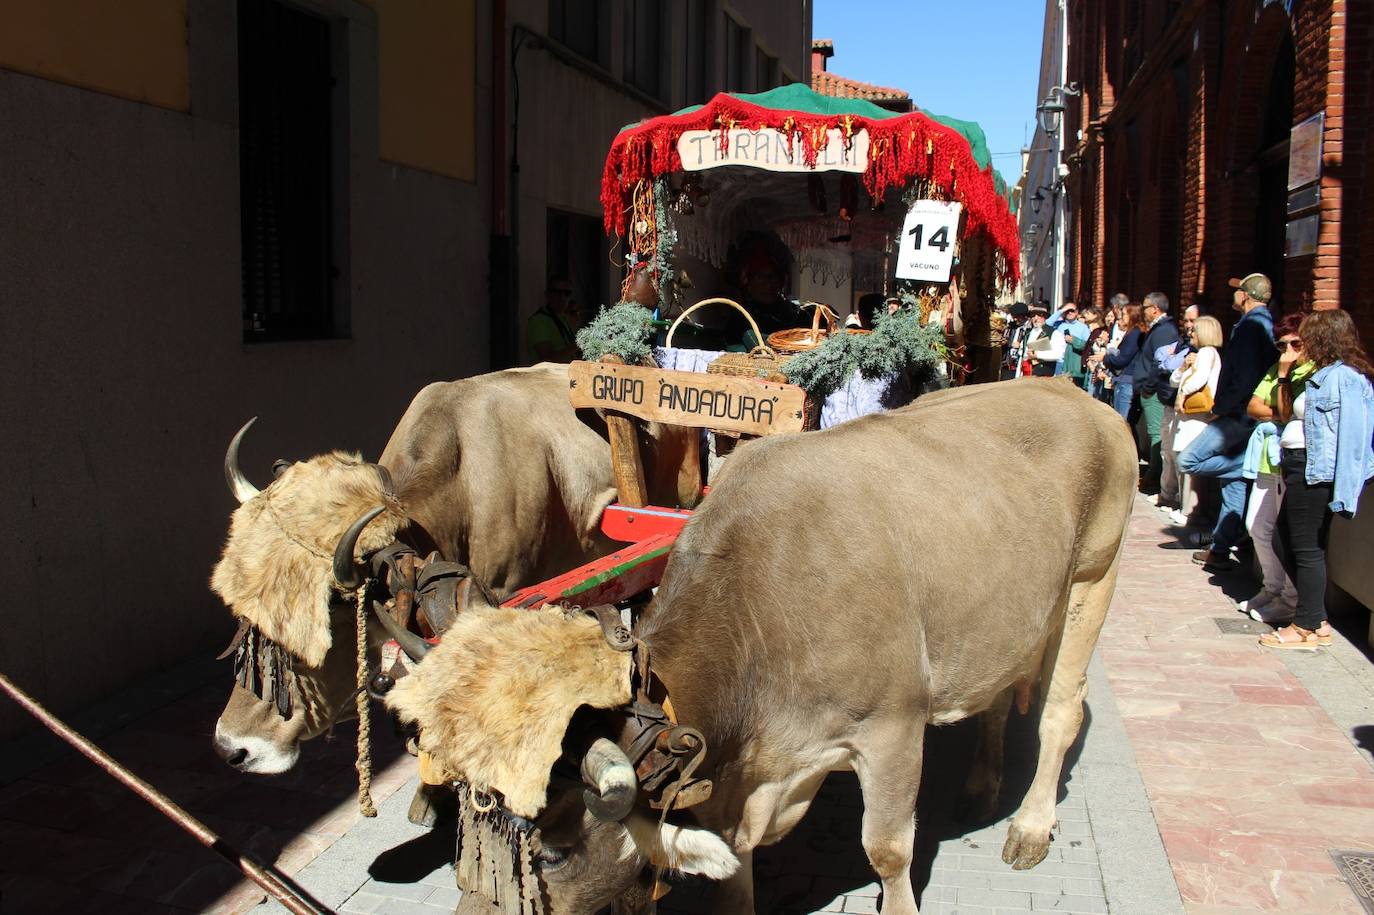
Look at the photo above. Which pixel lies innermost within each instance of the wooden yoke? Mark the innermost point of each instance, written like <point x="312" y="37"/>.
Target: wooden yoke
<point x="627" y="465"/>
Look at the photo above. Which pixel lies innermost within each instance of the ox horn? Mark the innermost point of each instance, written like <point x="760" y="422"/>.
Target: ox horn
<point x="346" y="574"/>
<point x="608" y="768"/>
<point x="238" y="483"/>
<point x="415" y="647"/>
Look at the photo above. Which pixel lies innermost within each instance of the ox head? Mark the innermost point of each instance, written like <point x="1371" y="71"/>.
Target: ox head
<point x="289" y="573"/>
<point x="520" y="704"/>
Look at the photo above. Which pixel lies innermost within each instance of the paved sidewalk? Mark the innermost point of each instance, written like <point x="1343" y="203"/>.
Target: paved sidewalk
<point x="1244" y="766"/>
<point x="1250" y="779"/>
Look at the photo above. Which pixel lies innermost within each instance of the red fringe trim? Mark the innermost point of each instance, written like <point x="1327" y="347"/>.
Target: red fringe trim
<point x="901" y="148"/>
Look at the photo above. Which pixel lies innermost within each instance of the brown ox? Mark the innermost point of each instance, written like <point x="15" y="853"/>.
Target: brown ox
<point x="497" y="472"/>
<point x="812" y="618"/>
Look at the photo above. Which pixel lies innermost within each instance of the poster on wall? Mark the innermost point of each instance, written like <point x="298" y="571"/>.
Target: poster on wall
<point x="926" y="250"/>
<point x="1305" y="152"/>
<point x="1300" y="240"/>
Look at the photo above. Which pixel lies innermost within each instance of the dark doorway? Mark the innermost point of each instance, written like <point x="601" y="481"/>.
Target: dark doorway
<point x="287" y="174"/>
<point x="1272" y="161"/>
<point x="576" y="249"/>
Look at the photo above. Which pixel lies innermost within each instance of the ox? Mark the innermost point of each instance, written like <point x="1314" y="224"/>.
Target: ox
<point x="812" y="619"/>
<point x="497" y="472"/>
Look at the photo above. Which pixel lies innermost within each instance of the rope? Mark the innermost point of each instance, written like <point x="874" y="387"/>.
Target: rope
<point x="364" y="764"/>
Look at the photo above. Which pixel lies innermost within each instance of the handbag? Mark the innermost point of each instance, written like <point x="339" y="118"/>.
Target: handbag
<point x="1200" y="401"/>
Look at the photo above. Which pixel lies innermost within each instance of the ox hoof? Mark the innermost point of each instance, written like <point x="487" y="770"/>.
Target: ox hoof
<point x="1024" y="849"/>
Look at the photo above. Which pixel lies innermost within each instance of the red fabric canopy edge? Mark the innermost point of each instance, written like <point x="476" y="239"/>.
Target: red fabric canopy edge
<point x="897" y="153"/>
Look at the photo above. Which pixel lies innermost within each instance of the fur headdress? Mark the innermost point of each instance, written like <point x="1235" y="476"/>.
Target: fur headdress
<point x="276" y="569"/>
<point x="494" y="699"/>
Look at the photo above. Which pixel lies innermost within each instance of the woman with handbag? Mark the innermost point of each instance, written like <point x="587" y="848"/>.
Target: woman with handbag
<point x="1327" y="457"/>
<point x="1196" y="381"/>
<point x="1276" y="600"/>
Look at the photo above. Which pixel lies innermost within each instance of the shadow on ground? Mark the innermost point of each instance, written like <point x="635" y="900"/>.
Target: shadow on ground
<point x="823" y="857"/>
<point x="75" y="840"/>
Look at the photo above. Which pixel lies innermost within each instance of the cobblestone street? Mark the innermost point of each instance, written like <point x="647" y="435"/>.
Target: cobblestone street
<point x="1211" y="777"/>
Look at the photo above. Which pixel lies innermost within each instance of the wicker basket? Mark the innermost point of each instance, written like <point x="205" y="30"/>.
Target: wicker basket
<point x="799" y="340"/>
<point x="761" y="362"/>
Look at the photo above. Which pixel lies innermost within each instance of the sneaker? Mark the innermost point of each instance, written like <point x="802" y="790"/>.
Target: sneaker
<point x="1153" y="499"/>
<point x="1212" y="561"/>
<point x="1177" y="518"/>
<point x="1276" y="613"/>
<point x="1259" y="601"/>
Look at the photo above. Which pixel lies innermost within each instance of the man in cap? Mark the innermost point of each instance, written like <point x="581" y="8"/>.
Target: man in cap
<point x="1037" y="341"/>
<point x="1219" y="450"/>
<point x="1019" y="315"/>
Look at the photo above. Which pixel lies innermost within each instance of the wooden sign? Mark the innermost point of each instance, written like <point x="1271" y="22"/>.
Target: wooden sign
<point x="689" y="398"/>
<point x="768" y="149"/>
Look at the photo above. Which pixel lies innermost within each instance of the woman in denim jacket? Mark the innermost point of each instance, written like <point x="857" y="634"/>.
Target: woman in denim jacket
<point x="1327" y="454"/>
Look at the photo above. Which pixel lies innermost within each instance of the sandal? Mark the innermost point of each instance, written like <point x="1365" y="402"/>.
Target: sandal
<point x="1294" y="636"/>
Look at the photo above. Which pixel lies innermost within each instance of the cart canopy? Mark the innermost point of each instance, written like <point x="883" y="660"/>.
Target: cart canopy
<point x="948" y="156"/>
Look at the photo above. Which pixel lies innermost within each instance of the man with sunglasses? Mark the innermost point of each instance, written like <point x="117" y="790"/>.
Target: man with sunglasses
<point x="1219" y="451"/>
<point x="551" y="331"/>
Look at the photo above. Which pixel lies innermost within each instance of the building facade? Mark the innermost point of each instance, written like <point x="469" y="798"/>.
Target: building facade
<point x="1041" y="200"/>
<point x="1214" y="138"/>
<point x="303" y="210"/>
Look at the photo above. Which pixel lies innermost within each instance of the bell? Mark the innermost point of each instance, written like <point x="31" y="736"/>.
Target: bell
<point x="380" y="684"/>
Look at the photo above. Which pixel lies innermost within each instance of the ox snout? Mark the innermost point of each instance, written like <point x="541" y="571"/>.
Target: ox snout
<point x="253" y="754"/>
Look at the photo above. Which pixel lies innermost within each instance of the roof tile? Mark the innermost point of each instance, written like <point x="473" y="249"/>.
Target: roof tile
<point x="837" y="86"/>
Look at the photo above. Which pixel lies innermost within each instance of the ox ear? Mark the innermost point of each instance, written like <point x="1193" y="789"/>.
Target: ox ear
<point x="682" y="848"/>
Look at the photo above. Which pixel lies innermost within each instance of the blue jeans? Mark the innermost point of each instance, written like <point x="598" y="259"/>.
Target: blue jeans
<point x="1121" y="394"/>
<point x="1219" y="451"/>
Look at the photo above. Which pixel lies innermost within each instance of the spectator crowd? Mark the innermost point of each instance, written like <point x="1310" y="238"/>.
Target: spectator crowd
<point x="1279" y="413"/>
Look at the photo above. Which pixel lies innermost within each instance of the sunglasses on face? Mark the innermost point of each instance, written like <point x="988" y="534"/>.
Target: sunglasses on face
<point x="1286" y="344"/>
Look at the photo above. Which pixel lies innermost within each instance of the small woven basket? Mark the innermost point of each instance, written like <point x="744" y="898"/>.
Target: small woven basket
<point x="800" y="339"/>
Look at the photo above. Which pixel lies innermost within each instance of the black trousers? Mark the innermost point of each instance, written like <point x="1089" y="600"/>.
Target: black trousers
<point x="1300" y="537"/>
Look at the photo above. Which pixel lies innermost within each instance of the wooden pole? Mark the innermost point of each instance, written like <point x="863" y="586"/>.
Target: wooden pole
<point x="627" y="466"/>
<point x="281" y="887"/>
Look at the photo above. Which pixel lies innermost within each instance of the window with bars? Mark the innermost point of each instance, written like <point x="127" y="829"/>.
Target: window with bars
<point x="697" y="59"/>
<point x="738" y="56"/>
<point x="577" y="24"/>
<point x="286" y="174"/>
<point x="644" y="46"/>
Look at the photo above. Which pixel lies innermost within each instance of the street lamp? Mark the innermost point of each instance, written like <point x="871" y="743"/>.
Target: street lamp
<point x="1038" y="198"/>
<point x="1051" y="110"/>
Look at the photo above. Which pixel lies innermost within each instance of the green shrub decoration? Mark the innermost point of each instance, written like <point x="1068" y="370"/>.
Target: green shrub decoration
<point x="625" y="330"/>
<point x="899" y="343"/>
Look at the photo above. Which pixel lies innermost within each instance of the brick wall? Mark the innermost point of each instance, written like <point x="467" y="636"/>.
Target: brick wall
<point x="1188" y="213"/>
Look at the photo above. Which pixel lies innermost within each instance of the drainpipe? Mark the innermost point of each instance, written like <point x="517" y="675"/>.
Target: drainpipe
<point x="1061" y="198"/>
<point x="501" y="314"/>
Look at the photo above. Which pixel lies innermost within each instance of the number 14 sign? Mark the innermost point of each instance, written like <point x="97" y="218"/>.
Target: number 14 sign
<point x="926" y="251"/>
